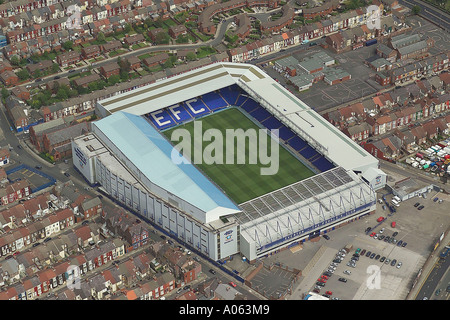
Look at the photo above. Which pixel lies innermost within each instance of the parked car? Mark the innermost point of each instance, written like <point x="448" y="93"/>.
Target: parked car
<point x="420" y="208"/>
<point x="382" y="259"/>
<point x="232" y="284"/>
<point x="417" y="204"/>
<point x="342" y="279"/>
<point x="67" y="174"/>
<point x="212" y="271"/>
<point x="320" y="284"/>
<point x="48" y="239"/>
<point x="36" y="244"/>
<point x="380" y="219"/>
<point x="326" y="237"/>
<point x="435" y="199"/>
<point x="347" y="272"/>
<point x="393" y="262"/>
<point x="399" y="265"/>
<point x="377" y="257"/>
<point x="368" y="253"/>
<point x="373" y="234"/>
<point x="372" y="255"/>
<point x="395" y="234"/>
<point x="363" y="252"/>
<point x="382" y="230"/>
<point x="404" y="244"/>
<point x="329" y="292"/>
<point x="38" y="167"/>
<point x="387" y="261"/>
<point x="381" y="237"/>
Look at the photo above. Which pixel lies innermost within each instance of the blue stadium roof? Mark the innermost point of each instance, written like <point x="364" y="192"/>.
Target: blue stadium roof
<point x="151" y="152"/>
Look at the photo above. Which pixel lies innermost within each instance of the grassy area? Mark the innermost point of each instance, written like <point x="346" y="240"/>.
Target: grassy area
<point x="242" y="182"/>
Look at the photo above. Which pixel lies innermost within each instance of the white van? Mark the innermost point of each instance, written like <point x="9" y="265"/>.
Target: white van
<point x="395" y="203"/>
<point x="397" y="199"/>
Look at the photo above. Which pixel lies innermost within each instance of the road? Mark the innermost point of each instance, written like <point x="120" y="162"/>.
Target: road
<point x="429" y="12"/>
<point x="433" y="281"/>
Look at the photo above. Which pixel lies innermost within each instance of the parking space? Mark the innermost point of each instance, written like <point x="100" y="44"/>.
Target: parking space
<point x="36" y="178"/>
<point x="273" y="282"/>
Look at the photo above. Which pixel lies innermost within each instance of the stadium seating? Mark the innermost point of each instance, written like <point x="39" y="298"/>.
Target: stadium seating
<point x="214" y="101"/>
<point x="323" y="164"/>
<point x="249" y="105"/>
<point x="162" y="119"/>
<point x="240" y="100"/>
<point x="271" y="123"/>
<point x="196" y="107"/>
<point x="308" y="152"/>
<point x="260" y="114"/>
<point x="179" y="113"/>
<point x="286" y="133"/>
<point x="230" y="94"/>
<point x="297" y="143"/>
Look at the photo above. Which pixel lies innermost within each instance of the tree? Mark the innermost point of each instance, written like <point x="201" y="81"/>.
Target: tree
<point x="55" y="68"/>
<point x="191" y="56"/>
<point x="68" y="45"/>
<point x="5" y="93"/>
<point x="101" y="37"/>
<point x="23" y="74"/>
<point x="15" y="60"/>
<point x="416" y="10"/>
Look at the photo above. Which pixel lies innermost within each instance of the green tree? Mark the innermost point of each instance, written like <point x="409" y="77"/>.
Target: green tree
<point x="68" y="45"/>
<point x="23" y="74"/>
<point x="191" y="56"/>
<point x="5" y="93"/>
<point x="416" y="10"/>
<point x="55" y="68"/>
<point x="101" y="37"/>
<point x="15" y="60"/>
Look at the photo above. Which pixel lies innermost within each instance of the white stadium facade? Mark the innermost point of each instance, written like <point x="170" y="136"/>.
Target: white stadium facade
<point x="128" y="157"/>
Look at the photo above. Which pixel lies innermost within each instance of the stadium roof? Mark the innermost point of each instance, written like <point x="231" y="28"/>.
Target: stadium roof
<point x="150" y="153"/>
<point x="287" y="107"/>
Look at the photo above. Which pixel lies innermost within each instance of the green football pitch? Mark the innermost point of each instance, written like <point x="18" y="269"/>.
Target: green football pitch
<point x="243" y="182"/>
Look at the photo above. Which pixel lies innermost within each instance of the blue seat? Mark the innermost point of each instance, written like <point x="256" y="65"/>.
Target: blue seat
<point x="161" y="119"/>
<point x="297" y="143"/>
<point x="214" y="101"/>
<point x="230" y="94"/>
<point x="271" y="123"/>
<point x="323" y="164"/>
<point x="240" y="100"/>
<point x="308" y="152"/>
<point x="196" y="107"/>
<point x="179" y="113"/>
<point x="286" y="133"/>
<point x="250" y="105"/>
<point x="260" y="114"/>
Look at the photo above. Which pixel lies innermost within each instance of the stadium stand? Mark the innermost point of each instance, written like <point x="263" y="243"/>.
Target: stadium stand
<point x="230" y="94"/>
<point x="214" y="101"/>
<point x="323" y="164"/>
<point x="260" y="114"/>
<point x="249" y="105"/>
<point x="196" y="108"/>
<point x="179" y="113"/>
<point x="161" y="119"/>
<point x="272" y="123"/>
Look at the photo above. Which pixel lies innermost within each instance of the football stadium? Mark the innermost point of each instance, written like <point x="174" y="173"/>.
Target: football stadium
<point x="323" y="178"/>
